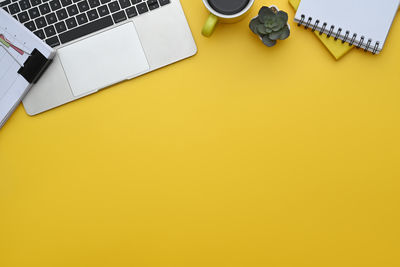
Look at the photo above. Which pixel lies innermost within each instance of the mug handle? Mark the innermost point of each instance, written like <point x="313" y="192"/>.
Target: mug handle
<point x="210" y="25"/>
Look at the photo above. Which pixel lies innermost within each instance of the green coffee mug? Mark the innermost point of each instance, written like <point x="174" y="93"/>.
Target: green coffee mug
<point x="226" y="16"/>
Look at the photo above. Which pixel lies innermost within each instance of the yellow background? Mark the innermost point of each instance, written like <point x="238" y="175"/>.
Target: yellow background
<point x="240" y="156"/>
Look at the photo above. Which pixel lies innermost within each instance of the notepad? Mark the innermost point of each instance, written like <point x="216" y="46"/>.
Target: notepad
<point x="337" y="49"/>
<point x="23" y="57"/>
<point x="363" y="23"/>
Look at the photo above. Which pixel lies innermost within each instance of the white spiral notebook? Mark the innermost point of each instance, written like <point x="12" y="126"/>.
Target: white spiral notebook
<point x="363" y="23"/>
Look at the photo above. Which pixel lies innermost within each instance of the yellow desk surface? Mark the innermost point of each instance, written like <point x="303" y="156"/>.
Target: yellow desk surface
<point x="240" y="156"/>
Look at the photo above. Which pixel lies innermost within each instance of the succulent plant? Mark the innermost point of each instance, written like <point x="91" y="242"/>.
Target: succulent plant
<point x="271" y="25"/>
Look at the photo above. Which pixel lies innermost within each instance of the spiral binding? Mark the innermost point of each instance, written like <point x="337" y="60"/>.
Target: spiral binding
<point x="351" y="39"/>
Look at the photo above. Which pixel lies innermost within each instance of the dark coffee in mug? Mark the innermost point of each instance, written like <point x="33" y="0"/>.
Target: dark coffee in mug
<point x="228" y="7"/>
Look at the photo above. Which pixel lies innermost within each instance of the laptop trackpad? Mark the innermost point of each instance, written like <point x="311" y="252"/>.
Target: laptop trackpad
<point x="104" y="59"/>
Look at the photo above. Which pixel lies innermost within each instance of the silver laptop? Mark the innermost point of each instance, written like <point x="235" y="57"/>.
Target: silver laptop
<point x="100" y="43"/>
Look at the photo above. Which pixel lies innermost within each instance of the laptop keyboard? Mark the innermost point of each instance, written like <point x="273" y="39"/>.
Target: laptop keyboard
<point x="61" y="21"/>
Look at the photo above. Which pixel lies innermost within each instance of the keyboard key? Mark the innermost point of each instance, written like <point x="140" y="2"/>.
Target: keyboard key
<point x="103" y="11"/>
<point x="119" y="16"/>
<point x="23" y="17"/>
<point x="44" y="9"/>
<point x="153" y="4"/>
<point x="71" y="23"/>
<point x="142" y="8"/>
<point x="65" y="3"/>
<point x="24" y="4"/>
<point x="60" y="27"/>
<point x="55" y="5"/>
<point x="72" y="10"/>
<point x="113" y="6"/>
<point x="92" y="14"/>
<point x="86" y="29"/>
<point x="124" y="3"/>
<point x="62" y="14"/>
<point x="50" y="31"/>
<point x="94" y="3"/>
<point x="104" y="1"/>
<point x="81" y="18"/>
<point x="40" y="34"/>
<point x="164" y="2"/>
<point x="40" y="22"/>
<point x="51" y="18"/>
<point x="30" y="26"/>
<point x="83" y="6"/>
<point x="53" y="41"/>
<point x="36" y="2"/>
<point x="6" y="9"/>
<point x="134" y="2"/>
<point x="131" y="12"/>
<point x="5" y="3"/>
<point x="34" y="13"/>
<point x="14" y="8"/>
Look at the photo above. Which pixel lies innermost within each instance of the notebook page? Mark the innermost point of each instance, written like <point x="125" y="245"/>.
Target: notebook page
<point x="369" y="18"/>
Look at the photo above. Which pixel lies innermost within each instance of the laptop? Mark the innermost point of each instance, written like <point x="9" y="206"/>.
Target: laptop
<point x="100" y="43"/>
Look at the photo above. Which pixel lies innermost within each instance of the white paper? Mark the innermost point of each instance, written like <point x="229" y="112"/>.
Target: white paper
<point x="16" y="44"/>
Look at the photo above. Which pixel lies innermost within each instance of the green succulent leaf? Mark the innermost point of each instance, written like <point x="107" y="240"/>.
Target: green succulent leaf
<point x="254" y="24"/>
<point x="268" y="42"/>
<point x="281" y="22"/>
<point x="283" y="15"/>
<point x="285" y="32"/>
<point x="265" y="13"/>
<point x="277" y="28"/>
<point x="275" y="35"/>
<point x="261" y="29"/>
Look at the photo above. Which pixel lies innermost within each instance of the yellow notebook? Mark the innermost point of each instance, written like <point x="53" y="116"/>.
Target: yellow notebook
<point x="337" y="48"/>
